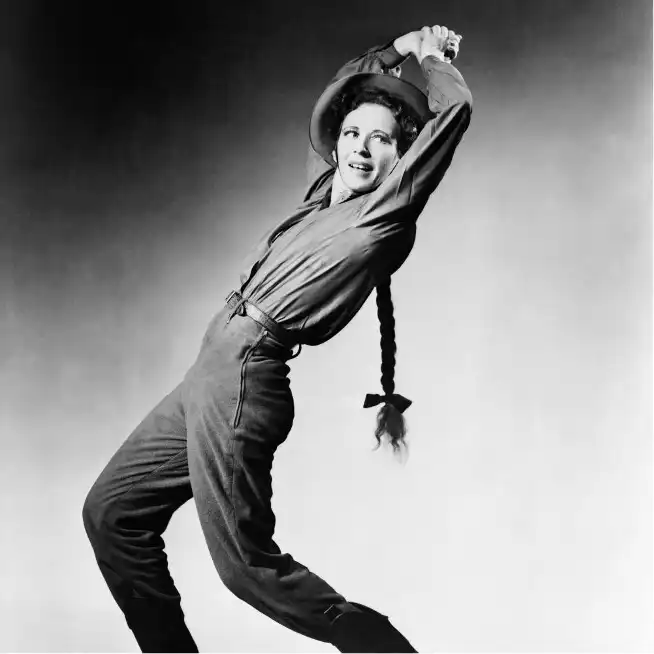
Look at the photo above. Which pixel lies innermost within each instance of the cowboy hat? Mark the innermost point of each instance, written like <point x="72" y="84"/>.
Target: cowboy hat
<point x="323" y="132"/>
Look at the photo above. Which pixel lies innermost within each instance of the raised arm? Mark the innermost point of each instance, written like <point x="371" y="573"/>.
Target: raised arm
<point x="404" y="193"/>
<point x="445" y="85"/>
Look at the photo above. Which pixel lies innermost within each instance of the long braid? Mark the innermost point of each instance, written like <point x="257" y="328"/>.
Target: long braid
<point x="390" y="422"/>
<point x="387" y="332"/>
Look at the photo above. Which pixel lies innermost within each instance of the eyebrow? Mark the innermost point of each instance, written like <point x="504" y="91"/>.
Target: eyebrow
<point x="374" y="131"/>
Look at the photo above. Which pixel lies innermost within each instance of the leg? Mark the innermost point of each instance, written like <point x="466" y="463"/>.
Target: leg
<point x="126" y="512"/>
<point x="239" y="410"/>
<point x="357" y="628"/>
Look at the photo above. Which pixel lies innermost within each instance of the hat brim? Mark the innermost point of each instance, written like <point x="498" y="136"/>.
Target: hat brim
<point x="321" y="132"/>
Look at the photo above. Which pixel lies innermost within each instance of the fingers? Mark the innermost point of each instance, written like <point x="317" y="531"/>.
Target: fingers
<point x="453" y="37"/>
<point x="440" y="30"/>
<point x="443" y="32"/>
<point x="441" y="38"/>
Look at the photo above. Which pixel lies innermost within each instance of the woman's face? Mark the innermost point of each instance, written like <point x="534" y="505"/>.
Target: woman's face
<point x="366" y="150"/>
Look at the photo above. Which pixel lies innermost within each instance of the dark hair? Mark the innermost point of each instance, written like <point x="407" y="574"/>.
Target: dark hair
<point x="404" y="115"/>
<point x="390" y="422"/>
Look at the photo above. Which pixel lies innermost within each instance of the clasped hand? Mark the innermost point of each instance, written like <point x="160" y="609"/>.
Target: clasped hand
<point x="438" y="41"/>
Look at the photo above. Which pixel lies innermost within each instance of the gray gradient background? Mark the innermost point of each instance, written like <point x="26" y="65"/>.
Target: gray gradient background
<point x="143" y="151"/>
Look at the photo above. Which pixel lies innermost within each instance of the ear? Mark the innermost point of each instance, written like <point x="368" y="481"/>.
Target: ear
<point x="335" y="156"/>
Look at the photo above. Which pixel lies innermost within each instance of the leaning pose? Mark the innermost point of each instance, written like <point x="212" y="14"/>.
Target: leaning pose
<point x="380" y="147"/>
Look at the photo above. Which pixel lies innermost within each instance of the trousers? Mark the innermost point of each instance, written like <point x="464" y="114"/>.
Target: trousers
<point x="213" y="438"/>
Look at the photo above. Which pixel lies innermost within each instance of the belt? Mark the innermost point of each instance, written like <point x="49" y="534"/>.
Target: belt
<point x="238" y="304"/>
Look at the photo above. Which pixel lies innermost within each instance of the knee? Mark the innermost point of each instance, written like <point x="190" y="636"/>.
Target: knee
<point x="239" y="580"/>
<point x="95" y="511"/>
<point x="254" y="584"/>
<point x="231" y="574"/>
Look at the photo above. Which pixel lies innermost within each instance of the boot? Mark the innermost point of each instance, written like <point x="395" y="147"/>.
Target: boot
<point x="158" y="626"/>
<point x="358" y="628"/>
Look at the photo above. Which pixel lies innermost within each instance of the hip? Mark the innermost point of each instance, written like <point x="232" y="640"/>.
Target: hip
<point x="241" y="371"/>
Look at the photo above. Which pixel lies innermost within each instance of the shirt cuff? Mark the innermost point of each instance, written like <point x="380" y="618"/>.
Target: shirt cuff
<point x="390" y="57"/>
<point x="430" y="63"/>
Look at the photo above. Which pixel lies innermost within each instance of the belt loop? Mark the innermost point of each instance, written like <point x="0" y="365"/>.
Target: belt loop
<point x="239" y="307"/>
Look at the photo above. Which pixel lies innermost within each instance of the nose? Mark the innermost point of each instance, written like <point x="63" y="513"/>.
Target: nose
<point x="361" y="148"/>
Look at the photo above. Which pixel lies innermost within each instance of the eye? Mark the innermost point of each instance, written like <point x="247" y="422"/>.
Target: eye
<point x="350" y="131"/>
<point x="382" y="137"/>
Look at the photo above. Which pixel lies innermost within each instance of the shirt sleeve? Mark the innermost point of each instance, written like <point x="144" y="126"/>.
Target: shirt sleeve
<point x="379" y="59"/>
<point x="404" y="193"/>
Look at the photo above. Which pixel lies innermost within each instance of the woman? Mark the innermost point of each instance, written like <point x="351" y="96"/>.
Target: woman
<point x="381" y="148"/>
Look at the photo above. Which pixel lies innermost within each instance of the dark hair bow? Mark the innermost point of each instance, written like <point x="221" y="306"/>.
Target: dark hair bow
<point x="398" y="401"/>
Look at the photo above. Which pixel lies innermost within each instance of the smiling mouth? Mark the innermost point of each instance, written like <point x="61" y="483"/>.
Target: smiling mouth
<point x="365" y="168"/>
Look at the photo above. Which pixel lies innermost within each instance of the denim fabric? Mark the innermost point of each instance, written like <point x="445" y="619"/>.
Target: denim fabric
<point x="212" y="438"/>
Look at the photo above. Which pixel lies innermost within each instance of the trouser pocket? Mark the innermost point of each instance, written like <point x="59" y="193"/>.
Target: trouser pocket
<point x="245" y="379"/>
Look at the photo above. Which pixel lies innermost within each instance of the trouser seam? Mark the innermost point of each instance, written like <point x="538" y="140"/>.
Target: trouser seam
<point x="234" y="461"/>
<point x="151" y="473"/>
<point x="241" y="391"/>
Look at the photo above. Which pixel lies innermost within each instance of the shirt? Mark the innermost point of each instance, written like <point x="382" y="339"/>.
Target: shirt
<point x="314" y="271"/>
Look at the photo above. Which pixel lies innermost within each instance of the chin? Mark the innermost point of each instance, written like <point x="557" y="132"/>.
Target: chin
<point x="360" y="190"/>
<point x="363" y="187"/>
